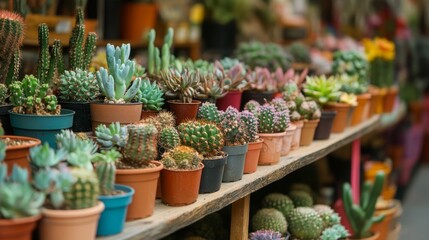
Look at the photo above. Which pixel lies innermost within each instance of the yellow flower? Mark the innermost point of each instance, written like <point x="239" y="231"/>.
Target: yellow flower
<point x="196" y="14"/>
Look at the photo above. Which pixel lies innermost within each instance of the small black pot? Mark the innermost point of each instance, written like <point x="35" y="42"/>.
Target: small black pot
<point x="323" y="130"/>
<point x="5" y="120"/>
<point x="82" y="116"/>
<point x="258" y="96"/>
<point x="212" y="175"/>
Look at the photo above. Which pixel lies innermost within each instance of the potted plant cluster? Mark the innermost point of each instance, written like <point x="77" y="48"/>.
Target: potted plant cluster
<point x="280" y="105"/>
<point x="261" y="86"/>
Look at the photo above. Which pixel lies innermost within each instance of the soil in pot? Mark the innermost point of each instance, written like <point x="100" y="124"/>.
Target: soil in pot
<point x="70" y="224"/>
<point x="287" y="140"/>
<point x="232" y="98"/>
<point x="82" y="115"/>
<point x="390" y="99"/>
<point x="184" y="111"/>
<point x="297" y="135"/>
<point x="147" y="114"/>
<point x="144" y="181"/>
<point x="258" y="96"/>
<point x="235" y="163"/>
<point x="5" y="119"/>
<point x="252" y="156"/>
<point x="271" y="148"/>
<point x="180" y="187"/>
<point x="341" y="119"/>
<point x="362" y="109"/>
<point x="102" y="113"/>
<point x="18" y="229"/>
<point x="18" y="150"/>
<point x="323" y="129"/>
<point x="308" y="131"/>
<point x="211" y="177"/>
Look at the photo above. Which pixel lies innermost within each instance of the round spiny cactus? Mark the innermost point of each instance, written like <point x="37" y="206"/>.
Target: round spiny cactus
<point x="266" y="119"/>
<point x="252" y="106"/>
<point x="141" y="146"/>
<point x="309" y="110"/>
<point x="278" y="201"/>
<point x="301" y="198"/>
<point x="251" y="123"/>
<point x="181" y="157"/>
<point x="233" y="128"/>
<point x="328" y="215"/>
<point x="305" y="223"/>
<point x="281" y="121"/>
<point x="78" y="86"/>
<point x="209" y="112"/>
<point x="269" y="219"/>
<point x="279" y="104"/>
<point x="84" y="192"/>
<point x="151" y="96"/>
<point x="169" y="138"/>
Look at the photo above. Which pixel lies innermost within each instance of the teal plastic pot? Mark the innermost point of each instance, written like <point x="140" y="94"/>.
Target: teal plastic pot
<point x="112" y="219"/>
<point x="43" y="127"/>
<point x="234" y="167"/>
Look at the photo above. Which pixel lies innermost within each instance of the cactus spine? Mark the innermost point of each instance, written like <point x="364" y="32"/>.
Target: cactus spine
<point x="141" y="146"/>
<point x="84" y="192"/>
<point x="169" y="138"/>
<point x="208" y="112"/>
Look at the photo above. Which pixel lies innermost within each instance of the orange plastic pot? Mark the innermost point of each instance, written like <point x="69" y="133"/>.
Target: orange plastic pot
<point x="18" y="229"/>
<point x="307" y="132"/>
<point x="137" y="18"/>
<point x="70" y="224"/>
<point x="362" y="109"/>
<point x="376" y="106"/>
<point x="105" y="113"/>
<point x="252" y="156"/>
<point x="287" y="140"/>
<point x="384" y="226"/>
<point x="19" y="154"/>
<point x="341" y="119"/>
<point x="271" y="148"/>
<point x="144" y="181"/>
<point x="297" y="135"/>
<point x="184" y="111"/>
<point x="389" y="99"/>
<point x="180" y="187"/>
<point x="373" y="167"/>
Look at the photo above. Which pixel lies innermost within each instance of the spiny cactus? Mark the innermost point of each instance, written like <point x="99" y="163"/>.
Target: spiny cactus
<point x="182" y="157"/>
<point x="204" y="137"/>
<point x="141" y="147"/>
<point x="301" y="198"/>
<point x="251" y="125"/>
<point x="282" y="121"/>
<point x="252" y="106"/>
<point x="111" y="137"/>
<point x="162" y="120"/>
<point x="78" y="86"/>
<point x="209" y="112"/>
<point x="269" y="219"/>
<point x="361" y="216"/>
<point x="84" y="192"/>
<point x="32" y="97"/>
<point x="279" y="104"/>
<point x="183" y="85"/>
<point x="309" y="110"/>
<point x="3" y="94"/>
<point x="157" y="62"/>
<point x="116" y="83"/>
<point x="169" y="138"/>
<point x="278" y="201"/>
<point x="104" y="164"/>
<point x="305" y="223"/>
<point x="271" y="121"/>
<point x="233" y="128"/>
<point x="327" y="214"/>
<point x="151" y="96"/>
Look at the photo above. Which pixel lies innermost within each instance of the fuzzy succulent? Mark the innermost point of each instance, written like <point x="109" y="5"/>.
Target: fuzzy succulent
<point x="169" y="138"/>
<point x="252" y="106"/>
<point x="351" y="63"/>
<point x="3" y="94"/>
<point x="204" y="137"/>
<point x="301" y="198"/>
<point x="252" y="125"/>
<point x="209" y="112"/>
<point x="116" y="83"/>
<point x="335" y="232"/>
<point x="305" y="223"/>
<point x="309" y="110"/>
<point x="141" y="146"/>
<point x="78" y="86"/>
<point x="183" y="85"/>
<point x="271" y="121"/>
<point x="322" y="89"/>
<point x="269" y="219"/>
<point x="105" y="168"/>
<point x="278" y="201"/>
<point x="84" y="192"/>
<point x="300" y="52"/>
<point x="114" y="136"/>
<point x="270" y="55"/>
<point x="151" y="96"/>
<point x="266" y="235"/>
<point x="182" y="157"/>
<point x="260" y="80"/>
<point x="234" y="129"/>
<point x="31" y="97"/>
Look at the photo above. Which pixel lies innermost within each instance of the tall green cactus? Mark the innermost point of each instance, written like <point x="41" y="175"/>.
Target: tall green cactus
<point x="361" y="217"/>
<point x="44" y="57"/>
<point x="159" y="61"/>
<point x="105" y="168"/>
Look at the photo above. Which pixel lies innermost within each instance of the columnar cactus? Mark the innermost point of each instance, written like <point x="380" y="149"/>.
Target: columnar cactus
<point x="271" y="121"/>
<point x="78" y="86"/>
<point x="116" y="83"/>
<point x="182" y="157"/>
<point x="157" y="62"/>
<point x="141" y="146"/>
<point x="204" y="137"/>
<point x="151" y="96"/>
<point x="252" y="125"/>
<point x="114" y="136"/>
<point x="233" y="128"/>
<point x="209" y="112"/>
<point x="105" y="168"/>
<point x="84" y="192"/>
<point x="169" y="138"/>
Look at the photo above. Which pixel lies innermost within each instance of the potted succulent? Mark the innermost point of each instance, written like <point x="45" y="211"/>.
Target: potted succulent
<point x="311" y="114"/>
<point x="300" y="54"/>
<point x="137" y="168"/>
<point x="151" y="97"/>
<point x="120" y="89"/>
<point x="236" y="145"/>
<point x="254" y="142"/>
<point x="352" y="85"/>
<point x="180" y="179"/>
<point x="260" y="86"/>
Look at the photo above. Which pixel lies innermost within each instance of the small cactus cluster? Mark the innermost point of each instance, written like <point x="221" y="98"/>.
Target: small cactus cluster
<point x="309" y="110"/>
<point x="85" y="190"/>
<point x="234" y="129"/>
<point x="141" y="146"/>
<point x="105" y="168"/>
<point x="271" y="121"/>
<point x="209" y="112"/>
<point x="269" y="219"/>
<point x="162" y="120"/>
<point x="30" y="96"/>
<point x="182" y="157"/>
<point x="251" y="122"/>
<point x="266" y="235"/>
<point x="252" y="106"/>
<point x="78" y="86"/>
<point x="151" y="96"/>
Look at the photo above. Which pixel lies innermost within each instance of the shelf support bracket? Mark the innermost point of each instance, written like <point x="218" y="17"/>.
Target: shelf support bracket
<point x="240" y="219"/>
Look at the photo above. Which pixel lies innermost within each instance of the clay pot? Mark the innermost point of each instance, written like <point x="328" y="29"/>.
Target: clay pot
<point x="105" y="113"/>
<point x="324" y="128"/>
<point x="147" y="114"/>
<point x="390" y="99"/>
<point x="384" y="226"/>
<point x="19" y="154"/>
<point x="137" y="18"/>
<point x="376" y="106"/>
<point x="287" y="140"/>
<point x="144" y="181"/>
<point x="297" y="135"/>
<point x="18" y="229"/>
<point x="362" y="109"/>
<point x="70" y="224"/>
<point x="374" y="236"/>
<point x="307" y="132"/>
<point x="184" y="111"/>
<point x="271" y="148"/>
<point x="252" y="156"/>
<point x="180" y="187"/>
<point x="340" y="120"/>
<point x="232" y="98"/>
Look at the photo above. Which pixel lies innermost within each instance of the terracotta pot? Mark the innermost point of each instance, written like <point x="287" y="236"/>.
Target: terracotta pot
<point x="70" y="224"/>
<point x="384" y="226"/>
<point x="271" y="148"/>
<point x="137" y="18"/>
<point x="252" y="156"/>
<point x="307" y="132"/>
<point x="287" y="140"/>
<point x="376" y="106"/>
<point x="180" y="187"/>
<point x="148" y="113"/>
<point x="362" y="109"/>
<point x="144" y="181"/>
<point x="19" y="154"/>
<point x="297" y="135"/>
<point x="278" y="95"/>
<point x="375" y="236"/>
<point x="184" y="111"/>
<point x="340" y="120"/>
<point x="18" y="229"/>
<point x="232" y="98"/>
<point x="104" y="113"/>
<point x="395" y="232"/>
<point x="390" y="99"/>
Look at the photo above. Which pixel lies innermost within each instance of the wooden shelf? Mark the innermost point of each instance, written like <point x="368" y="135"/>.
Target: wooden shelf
<point x="167" y="220"/>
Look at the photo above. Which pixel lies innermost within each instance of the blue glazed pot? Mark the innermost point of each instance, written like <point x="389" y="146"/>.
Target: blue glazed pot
<point x="234" y="167"/>
<point x="112" y="219"/>
<point x="43" y="127"/>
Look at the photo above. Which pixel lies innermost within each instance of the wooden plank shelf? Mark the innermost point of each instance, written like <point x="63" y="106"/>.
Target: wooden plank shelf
<point x="167" y="220"/>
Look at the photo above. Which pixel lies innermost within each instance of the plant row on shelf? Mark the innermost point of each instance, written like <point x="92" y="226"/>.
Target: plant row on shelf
<point x="137" y="150"/>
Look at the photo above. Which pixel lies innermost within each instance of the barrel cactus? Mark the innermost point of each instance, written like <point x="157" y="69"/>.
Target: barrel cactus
<point x="209" y="112"/>
<point x="305" y="223"/>
<point x="301" y="198"/>
<point x="78" y="86"/>
<point x="169" y="138"/>
<point x="84" y="192"/>
<point x="251" y="123"/>
<point x="252" y="106"/>
<point x="278" y="201"/>
<point x="233" y="128"/>
<point x="269" y="219"/>
<point x="141" y="146"/>
<point x="182" y="157"/>
<point x="151" y="96"/>
<point x="271" y="121"/>
<point x="105" y="168"/>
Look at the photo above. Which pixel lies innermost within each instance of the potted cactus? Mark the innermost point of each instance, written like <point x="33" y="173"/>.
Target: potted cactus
<point x="254" y="142"/>
<point x="180" y="179"/>
<point x="120" y="89"/>
<point x="261" y="86"/>
<point x="311" y="114"/>
<point x="269" y="219"/>
<point x="151" y="97"/>
<point x="280" y="105"/>
<point x="300" y="54"/>
<point x="137" y="168"/>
